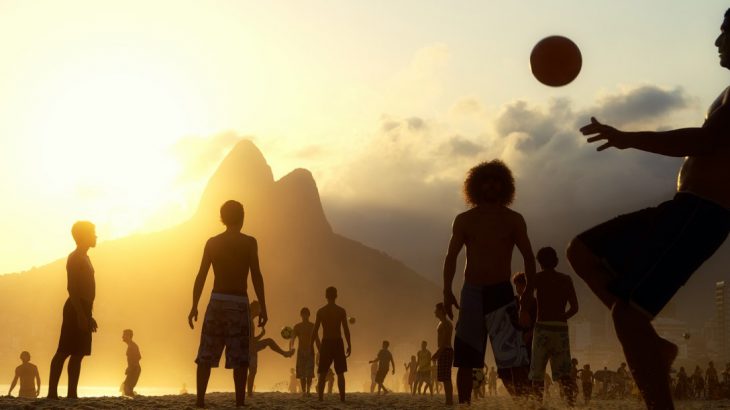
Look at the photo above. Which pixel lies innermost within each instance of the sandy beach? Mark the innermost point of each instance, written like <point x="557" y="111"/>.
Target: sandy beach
<point x="291" y="401"/>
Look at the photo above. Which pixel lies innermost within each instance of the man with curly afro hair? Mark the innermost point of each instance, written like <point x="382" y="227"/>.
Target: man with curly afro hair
<point x="490" y="230"/>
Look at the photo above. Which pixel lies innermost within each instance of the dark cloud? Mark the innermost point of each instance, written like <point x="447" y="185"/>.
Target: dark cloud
<point x="415" y="124"/>
<point x="460" y="146"/>
<point x="640" y="104"/>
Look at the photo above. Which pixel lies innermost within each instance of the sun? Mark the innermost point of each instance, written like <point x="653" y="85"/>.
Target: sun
<point x="106" y="122"/>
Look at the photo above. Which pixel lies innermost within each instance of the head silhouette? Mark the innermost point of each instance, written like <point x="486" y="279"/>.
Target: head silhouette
<point x="547" y="257"/>
<point x="304" y="313"/>
<point x="440" y="311"/>
<point x="386" y="344"/>
<point x="232" y="214"/>
<point x="127" y="335"/>
<point x="424" y="344"/>
<point x="331" y="293"/>
<point x="723" y="43"/>
<point x="84" y="234"/>
<point x="24" y="356"/>
<point x="489" y="182"/>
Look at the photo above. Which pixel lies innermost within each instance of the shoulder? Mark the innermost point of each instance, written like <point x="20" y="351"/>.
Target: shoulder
<point x="565" y="278"/>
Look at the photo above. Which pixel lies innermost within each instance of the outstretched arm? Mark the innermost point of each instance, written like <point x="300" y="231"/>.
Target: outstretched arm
<point x="455" y="244"/>
<point x="258" y="283"/>
<point x="674" y="143"/>
<point x="572" y="301"/>
<point x="199" y="283"/>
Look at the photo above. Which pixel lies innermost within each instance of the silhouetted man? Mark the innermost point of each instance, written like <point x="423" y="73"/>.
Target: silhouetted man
<point x="636" y="262"/>
<point x="227" y="322"/>
<point x="384" y="360"/>
<point x="28" y="375"/>
<point x="78" y="324"/>
<point x="133" y="368"/>
<point x="490" y="230"/>
<point x="586" y="380"/>
<point x="332" y="318"/>
<point x="305" y="353"/>
<point x="551" y="341"/>
<point x="423" y="374"/>
<point x="445" y="353"/>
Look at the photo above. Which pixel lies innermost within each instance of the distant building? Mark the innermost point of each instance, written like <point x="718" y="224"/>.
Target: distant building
<point x="722" y="318"/>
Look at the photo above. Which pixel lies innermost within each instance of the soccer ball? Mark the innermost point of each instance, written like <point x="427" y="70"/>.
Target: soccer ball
<point x="477" y="377"/>
<point x="351" y="320"/>
<point x="287" y="332"/>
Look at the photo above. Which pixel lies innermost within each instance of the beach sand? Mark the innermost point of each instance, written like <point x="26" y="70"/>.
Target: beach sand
<point x="295" y="401"/>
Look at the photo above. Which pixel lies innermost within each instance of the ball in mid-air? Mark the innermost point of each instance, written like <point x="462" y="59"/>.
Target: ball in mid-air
<point x="555" y="61"/>
<point x="351" y="320"/>
<point x="287" y="332"/>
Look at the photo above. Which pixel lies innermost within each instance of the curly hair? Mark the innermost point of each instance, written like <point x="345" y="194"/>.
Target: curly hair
<point x="477" y="176"/>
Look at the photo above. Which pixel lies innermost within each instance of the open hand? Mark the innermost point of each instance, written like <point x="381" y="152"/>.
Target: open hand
<point x="612" y="136"/>
<point x="449" y="301"/>
<point x="92" y="324"/>
<point x="193" y="316"/>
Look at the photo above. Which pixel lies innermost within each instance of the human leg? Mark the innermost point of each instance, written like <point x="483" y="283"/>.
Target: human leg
<point x="340" y="386"/>
<point x="56" y="368"/>
<point x="74" y="371"/>
<point x="239" y="381"/>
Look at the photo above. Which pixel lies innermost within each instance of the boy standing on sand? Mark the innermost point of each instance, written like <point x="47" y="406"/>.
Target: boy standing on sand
<point x="78" y="323"/>
<point x="551" y="341"/>
<point x="28" y="375"/>
<point x="227" y="322"/>
<point x="445" y="353"/>
<point x="133" y="368"/>
<point x="305" y="352"/>
<point x="332" y="318"/>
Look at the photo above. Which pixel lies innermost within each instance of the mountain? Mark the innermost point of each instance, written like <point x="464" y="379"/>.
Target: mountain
<point x="144" y="282"/>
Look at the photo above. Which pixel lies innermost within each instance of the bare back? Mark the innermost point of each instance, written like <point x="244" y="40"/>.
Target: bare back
<point x="490" y="233"/>
<point x="554" y="291"/>
<point x="232" y="255"/>
<point x="332" y="318"/>
<point x="707" y="175"/>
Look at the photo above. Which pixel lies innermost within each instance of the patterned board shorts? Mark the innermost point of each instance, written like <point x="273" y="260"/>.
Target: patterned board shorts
<point x="489" y="311"/>
<point x="550" y="343"/>
<point x="227" y="324"/>
<point x="445" y="361"/>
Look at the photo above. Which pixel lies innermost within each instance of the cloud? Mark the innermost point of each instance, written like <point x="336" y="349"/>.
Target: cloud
<point x="563" y="185"/>
<point x="640" y="104"/>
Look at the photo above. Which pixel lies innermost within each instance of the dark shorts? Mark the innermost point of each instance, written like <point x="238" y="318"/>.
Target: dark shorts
<point x="131" y="380"/>
<point x="489" y="311"/>
<point x="73" y="340"/>
<point x="332" y="351"/>
<point x="652" y="253"/>
<point x="305" y="364"/>
<point x="443" y="365"/>
<point x="227" y="324"/>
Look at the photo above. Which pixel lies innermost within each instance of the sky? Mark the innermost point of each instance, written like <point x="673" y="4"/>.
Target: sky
<point x="119" y="112"/>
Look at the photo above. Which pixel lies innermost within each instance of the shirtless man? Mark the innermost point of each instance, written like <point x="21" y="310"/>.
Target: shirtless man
<point x="305" y="353"/>
<point x="444" y="356"/>
<point x="78" y="323"/>
<point x="28" y="375"/>
<point x="332" y="318"/>
<point x="384" y="360"/>
<point x="133" y="368"/>
<point x="490" y="230"/>
<point x="636" y="262"/>
<point x="551" y="341"/>
<point x="227" y="322"/>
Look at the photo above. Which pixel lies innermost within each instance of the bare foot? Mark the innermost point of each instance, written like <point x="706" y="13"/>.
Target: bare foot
<point x="200" y="404"/>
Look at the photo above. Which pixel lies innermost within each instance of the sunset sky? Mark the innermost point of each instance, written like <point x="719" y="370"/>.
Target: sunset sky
<point x="118" y="112"/>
